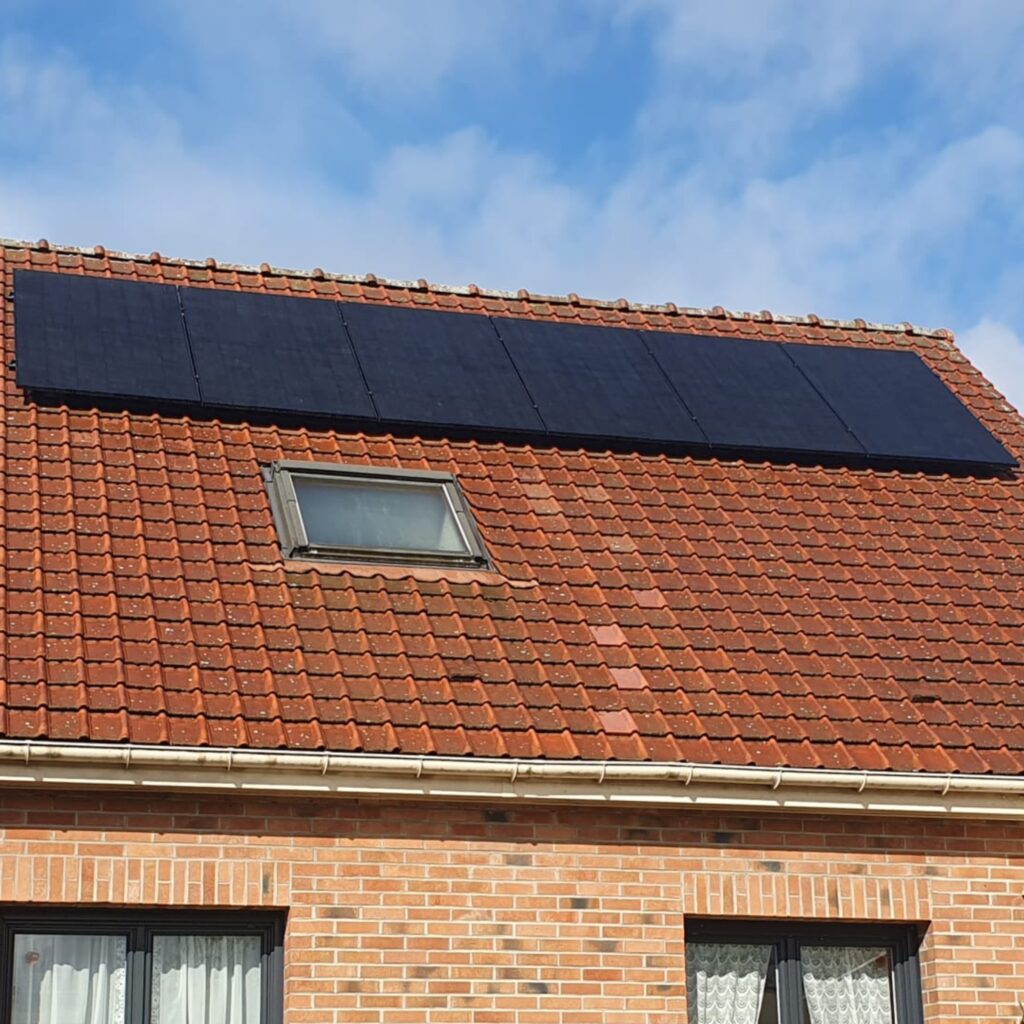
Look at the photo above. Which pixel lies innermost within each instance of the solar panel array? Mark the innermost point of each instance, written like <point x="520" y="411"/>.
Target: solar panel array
<point x="396" y="368"/>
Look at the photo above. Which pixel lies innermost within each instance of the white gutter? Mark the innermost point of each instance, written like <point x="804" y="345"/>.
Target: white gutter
<point x="101" y="766"/>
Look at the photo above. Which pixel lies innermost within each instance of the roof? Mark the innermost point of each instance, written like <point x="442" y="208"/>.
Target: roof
<point x="644" y="607"/>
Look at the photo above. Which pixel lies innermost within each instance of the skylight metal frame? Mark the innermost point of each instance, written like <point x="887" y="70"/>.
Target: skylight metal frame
<point x="295" y="542"/>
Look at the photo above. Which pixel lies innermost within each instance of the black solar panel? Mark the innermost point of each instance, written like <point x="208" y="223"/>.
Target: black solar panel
<point x="596" y="382"/>
<point x="896" y="406"/>
<point x="94" y="336"/>
<point x="274" y="352"/>
<point x="750" y="395"/>
<point x="432" y="367"/>
<point x="406" y="369"/>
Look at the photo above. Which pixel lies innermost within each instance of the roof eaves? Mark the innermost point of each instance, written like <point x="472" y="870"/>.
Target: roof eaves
<point x="668" y="308"/>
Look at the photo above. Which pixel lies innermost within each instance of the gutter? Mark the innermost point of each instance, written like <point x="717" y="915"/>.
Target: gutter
<point x="134" y="768"/>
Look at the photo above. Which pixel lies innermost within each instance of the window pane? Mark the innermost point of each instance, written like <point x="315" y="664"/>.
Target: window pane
<point x="206" y="979"/>
<point x="770" y="1000"/>
<point x="370" y="514"/>
<point x="68" y="979"/>
<point x="847" y="984"/>
<point x="725" y="982"/>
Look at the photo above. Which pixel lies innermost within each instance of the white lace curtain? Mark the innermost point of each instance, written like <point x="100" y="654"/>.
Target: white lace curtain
<point x="206" y="979"/>
<point x="846" y="984"/>
<point x="725" y="981"/>
<point x="68" y="979"/>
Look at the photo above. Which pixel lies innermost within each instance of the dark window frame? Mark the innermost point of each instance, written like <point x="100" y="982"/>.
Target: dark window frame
<point x="139" y="926"/>
<point x="786" y="937"/>
<point x="295" y="542"/>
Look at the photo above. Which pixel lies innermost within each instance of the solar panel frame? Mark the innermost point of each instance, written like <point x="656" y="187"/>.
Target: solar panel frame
<point x="576" y="373"/>
<point x="439" y="368"/>
<point x="274" y="352"/>
<point x="897" y="406"/>
<point x="82" y="334"/>
<point x="725" y="383"/>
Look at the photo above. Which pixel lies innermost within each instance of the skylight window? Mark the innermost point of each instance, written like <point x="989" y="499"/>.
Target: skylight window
<point x="352" y="513"/>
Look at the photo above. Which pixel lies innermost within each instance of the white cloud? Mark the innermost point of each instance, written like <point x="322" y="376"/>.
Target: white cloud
<point x="998" y="351"/>
<point x="391" y="50"/>
<point x="849" y="230"/>
<point x="776" y="65"/>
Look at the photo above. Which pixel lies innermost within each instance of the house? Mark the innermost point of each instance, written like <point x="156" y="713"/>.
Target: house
<point x="377" y="651"/>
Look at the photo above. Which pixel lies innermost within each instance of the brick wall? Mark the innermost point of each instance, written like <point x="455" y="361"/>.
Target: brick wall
<point x="452" y="912"/>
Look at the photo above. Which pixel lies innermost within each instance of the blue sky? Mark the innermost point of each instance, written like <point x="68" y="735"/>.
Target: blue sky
<point x="859" y="158"/>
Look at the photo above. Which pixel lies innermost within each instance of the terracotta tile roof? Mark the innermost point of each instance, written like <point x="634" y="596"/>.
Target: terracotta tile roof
<point x="645" y="607"/>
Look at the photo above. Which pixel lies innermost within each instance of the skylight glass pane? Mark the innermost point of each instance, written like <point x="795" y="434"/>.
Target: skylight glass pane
<point x="364" y="513"/>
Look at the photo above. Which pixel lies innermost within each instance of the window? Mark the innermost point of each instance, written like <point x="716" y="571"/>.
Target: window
<point x="761" y="972"/>
<point x="354" y="513"/>
<point x="117" y="967"/>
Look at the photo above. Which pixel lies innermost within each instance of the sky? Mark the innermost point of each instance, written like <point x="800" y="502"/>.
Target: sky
<point x="854" y="158"/>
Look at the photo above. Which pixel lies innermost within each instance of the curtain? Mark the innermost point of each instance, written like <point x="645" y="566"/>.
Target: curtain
<point x="725" y="981"/>
<point x="367" y="514"/>
<point x="846" y="984"/>
<point x="68" y="979"/>
<point x="206" y="979"/>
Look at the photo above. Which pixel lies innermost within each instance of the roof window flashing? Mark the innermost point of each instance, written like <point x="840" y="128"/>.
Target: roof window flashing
<point x="333" y="512"/>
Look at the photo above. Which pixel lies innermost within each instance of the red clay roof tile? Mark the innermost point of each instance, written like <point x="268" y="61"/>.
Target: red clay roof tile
<point x="645" y="607"/>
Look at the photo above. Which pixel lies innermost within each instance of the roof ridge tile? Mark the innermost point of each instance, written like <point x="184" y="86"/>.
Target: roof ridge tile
<point x="475" y="291"/>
